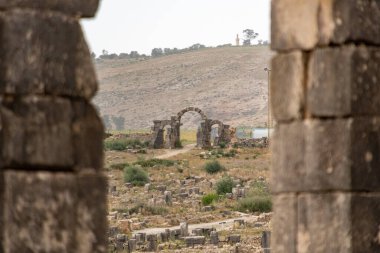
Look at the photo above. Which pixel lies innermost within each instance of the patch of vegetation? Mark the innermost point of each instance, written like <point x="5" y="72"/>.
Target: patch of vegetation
<point x="222" y="144"/>
<point x="224" y="185"/>
<point x="221" y="153"/>
<point x="178" y="144"/>
<point x="213" y="167"/>
<point x="155" y="210"/>
<point x="155" y="162"/>
<point x="255" y="204"/>
<point x="122" y="144"/>
<point x="258" y="199"/>
<point x="148" y="210"/>
<point x="135" y="175"/>
<point x="119" y="166"/>
<point x="209" y="199"/>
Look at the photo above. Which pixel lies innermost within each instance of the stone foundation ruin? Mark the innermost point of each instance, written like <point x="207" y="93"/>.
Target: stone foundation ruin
<point x="172" y="126"/>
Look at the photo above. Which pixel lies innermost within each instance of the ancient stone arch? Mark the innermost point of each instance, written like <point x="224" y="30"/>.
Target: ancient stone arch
<point x="203" y="133"/>
<point x="191" y="109"/>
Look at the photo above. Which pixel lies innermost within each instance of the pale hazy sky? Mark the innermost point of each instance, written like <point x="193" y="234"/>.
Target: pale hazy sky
<point x="126" y="25"/>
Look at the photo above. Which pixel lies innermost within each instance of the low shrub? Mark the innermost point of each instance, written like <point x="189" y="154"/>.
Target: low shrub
<point x="178" y="144"/>
<point x="231" y="153"/>
<point x="119" y="166"/>
<point x="209" y="198"/>
<point x="255" y="204"/>
<point x="224" y="185"/>
<point x="213" y="167"/>
<point x="155" y="210"/>
<point x="222" y="145"/>
<point x="155" y="162"/>
<point x="122" y="144"/>
<point x="135" y="175"/>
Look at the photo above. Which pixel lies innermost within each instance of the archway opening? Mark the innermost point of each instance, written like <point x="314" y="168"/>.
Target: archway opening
<point x="215" y="134"/>
<point x="166" y="133"/>
<point x="190" y="128"/>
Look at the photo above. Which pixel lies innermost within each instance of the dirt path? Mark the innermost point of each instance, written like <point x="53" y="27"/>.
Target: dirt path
<point x="174" y="152"/>
<point x="218" y="225"/>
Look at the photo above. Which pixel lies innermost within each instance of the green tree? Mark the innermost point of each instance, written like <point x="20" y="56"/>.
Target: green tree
<point x="249" y="36"/>
<point x="157" y="52"/>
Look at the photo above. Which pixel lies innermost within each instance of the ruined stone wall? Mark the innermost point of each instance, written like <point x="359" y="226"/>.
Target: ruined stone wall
<point x="325" y="88"/>
<point x="52" y="194"/>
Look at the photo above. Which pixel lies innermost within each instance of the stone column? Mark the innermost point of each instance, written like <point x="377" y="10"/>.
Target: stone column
<point x="52" y="193"/>
<point x="326" y="99"/>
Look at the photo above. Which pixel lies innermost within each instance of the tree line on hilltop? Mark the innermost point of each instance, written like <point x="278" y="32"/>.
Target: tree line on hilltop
<point x="249" y="36"/>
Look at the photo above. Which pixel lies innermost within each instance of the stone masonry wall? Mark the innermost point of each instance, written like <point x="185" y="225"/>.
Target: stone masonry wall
<point x="326" y="99"/>
<point x="52" y="193"/>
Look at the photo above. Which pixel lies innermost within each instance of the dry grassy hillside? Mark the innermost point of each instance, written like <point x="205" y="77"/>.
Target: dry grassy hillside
<point x="226" y="83"/>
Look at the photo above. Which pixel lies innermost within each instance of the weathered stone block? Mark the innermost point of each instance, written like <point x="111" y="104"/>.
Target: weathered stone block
<point x="287" y="86"/>
<point x="338" y="222"/>
<point x="194" y="240"/>
<point x="284" y="237"/>
<point x="39" y="212"/>
<point x="87" y="136"/>
<point x="288" y="165"/>
<point x="294" y="24"/>
<point x="82" y="8"/>
<point x="324" y="223"/>
<point x="365" y="220"/>
<point x="36" y="132"/>
<point x="298" y="24"/>
<point x="91" y="213"/>
<point x="326" y="154"/>
<point x="53" y="58"/>
<point x="344" y="81"/>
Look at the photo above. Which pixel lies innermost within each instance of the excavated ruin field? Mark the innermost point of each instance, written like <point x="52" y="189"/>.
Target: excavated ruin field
<point x="145" y="210"/>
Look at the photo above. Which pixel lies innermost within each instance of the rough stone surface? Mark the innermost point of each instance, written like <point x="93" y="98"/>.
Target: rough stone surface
<point x="36" y="131"/>
<point x="298" y="24"/>
<point x="287" y="81"/>
<point x="83" y="8"/>
<point x="344" y="81"/>
<point x="53" y="58"/>
<point x="39" y="212"/>
<point x="294" y="24"/>
<point x="349" y="220"/>
<point x="284" y="236"/>
<point x="365" y="220"/>
<point x="324" y="218"/>
<point x="288" y="165"/>
<point x="87" y="141"/>
<point x="327" y="154"/>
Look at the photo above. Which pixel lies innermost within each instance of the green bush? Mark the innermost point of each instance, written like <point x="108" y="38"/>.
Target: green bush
<point x="231" y="153"/>
<point x="123" y="144"/>
<point x="222" y="145"/>
<point x="213" y="167"/>
<point x="119" y="166"/>
<point x="255" y="204"/>
<point x="224" y="185"/>
<point x="155" y="162"/>
<point x="259" y="188"/>
<point x="178" y="144"/>
<point x="209" y="198"/>
<point x="135" y="175"/>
